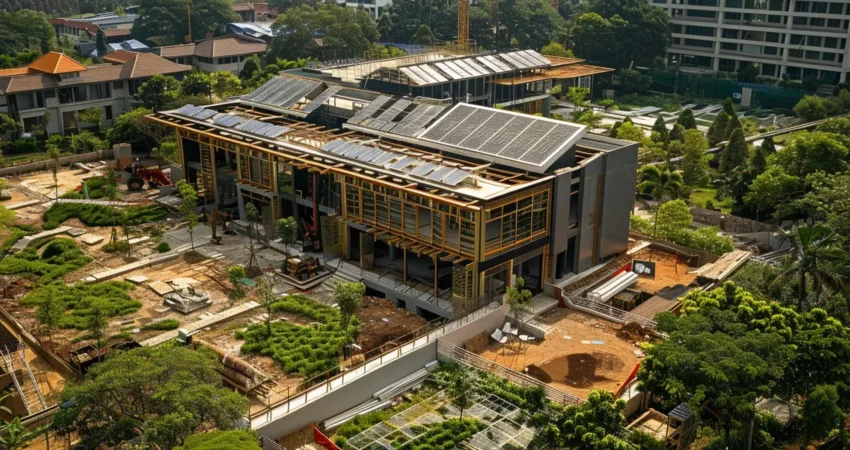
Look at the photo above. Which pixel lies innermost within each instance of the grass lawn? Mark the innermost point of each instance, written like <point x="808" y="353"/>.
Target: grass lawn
<point x="699" y="197"/>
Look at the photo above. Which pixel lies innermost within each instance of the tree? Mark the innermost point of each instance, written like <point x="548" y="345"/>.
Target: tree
<point x="87" y="142"/>
<point x="774" y="189"/>
<point x="821" y="413"/>
<point x="225" y="84"/>
<point x="768" y="146"/>
<point x="196" y="83"/>
<point x="807" y="153"/>
<point x="97" y="321"/>
<point x="167" y="151"/>
<point x="286" y="229"/>
<point x="556" y="49"/>
<point x="687" y="119"/>
<point x="168" y="18"/>
<point x="16" y="436"/>
<point x="385" y="24"/>
<point x="189" y="208"/>
<point x="348" y="297"/>
<point x="53" y="154"/>
<point x="252" y="215"/>
<point x="236" y="273"/>
<point x="267" y="297"/>
<point x="24" y="29"/>
<point x="813" y="251"/>
<point x="48" y="313"/>
<point x="221" y="440"/>
<point x="519" y="300"/>
<point x="578" y="97"/>
<point x="748" y="72"/>
<point x="758" y="161"/>
<point x="166" y="393"/>
<point x="735" y="153"/>
<point x="592" y="425"/>
<point x="633" y="82"/>
<point x="158" y="91"/>
<point x="91" y="115"/>
<point x="729" y="107"/>
<point x="695" y="168"/>
<point x="659" y="183"/>
<point x="124" y="129"/>
<point x="644" y="35"/>
<point x="102" y="46"/>
<point x="717" y="130"/>
<point x="423" y="36"/>
<point x="810" y="108"/>
<point x="7" y="125"/>
<point x="660" y="127"/>
<point x="463" y="389"/>
<point x="346" y="32"/>
<point x="596" y="37"/>
<point x="252" y="66"/>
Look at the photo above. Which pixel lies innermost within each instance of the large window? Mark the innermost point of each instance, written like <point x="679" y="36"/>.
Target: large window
<point x="100" y="91"/>
<point x="516" y="222"/>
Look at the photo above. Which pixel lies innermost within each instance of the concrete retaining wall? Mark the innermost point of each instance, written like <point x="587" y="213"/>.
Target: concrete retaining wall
<point x="64" y="161"/>
<point x="703" y="257"/>
<point x="728" y="222"/>
<point x="495" y="319"/>
<point x="350" y="395"/>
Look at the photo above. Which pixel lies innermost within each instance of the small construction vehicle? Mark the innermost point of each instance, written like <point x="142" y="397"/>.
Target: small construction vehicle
<point x="302" y="268"/>
<point x="140" y="176"/>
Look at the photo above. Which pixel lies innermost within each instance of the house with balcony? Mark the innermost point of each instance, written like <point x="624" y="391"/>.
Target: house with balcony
<point x="800" y="39"/>
<point x="439" y="207"/>
<point x="222" y="54"/>
<point x="56" y="87"/>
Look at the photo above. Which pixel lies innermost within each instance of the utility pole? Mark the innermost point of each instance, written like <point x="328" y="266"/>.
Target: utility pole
<point x="188" y="37"/>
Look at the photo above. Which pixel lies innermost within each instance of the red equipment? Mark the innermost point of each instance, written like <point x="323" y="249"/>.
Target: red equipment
<point x="139" y="176"/>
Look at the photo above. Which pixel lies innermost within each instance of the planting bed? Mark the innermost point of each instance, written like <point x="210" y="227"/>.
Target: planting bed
<point x="101" y="216"/>
<point x="46" y="260"/>
<point x="112" y="297"/>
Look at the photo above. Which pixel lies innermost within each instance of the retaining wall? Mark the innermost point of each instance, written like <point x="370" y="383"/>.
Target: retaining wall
<point x="64" y="161"/>
<point x="728" y="222"/>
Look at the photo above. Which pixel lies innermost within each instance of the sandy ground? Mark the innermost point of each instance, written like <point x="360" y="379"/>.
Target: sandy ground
<point x="374" y="331"/>
<point x="569" y="364"/>
<point x="667" y="271"/>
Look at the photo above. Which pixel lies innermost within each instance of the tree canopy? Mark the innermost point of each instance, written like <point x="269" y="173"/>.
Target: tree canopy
<point x="221" y="440"/>
<point x="166" y="392"/>
<point x="168" y="18"/>
<point x="345" y="32"/>
<point x="24" y="29"/>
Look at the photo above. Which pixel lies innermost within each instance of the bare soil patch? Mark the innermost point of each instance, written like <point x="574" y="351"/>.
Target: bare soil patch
<point x="375" y="331"/>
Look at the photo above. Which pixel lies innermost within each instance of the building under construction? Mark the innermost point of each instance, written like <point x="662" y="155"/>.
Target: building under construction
<point x="438" y="206"/>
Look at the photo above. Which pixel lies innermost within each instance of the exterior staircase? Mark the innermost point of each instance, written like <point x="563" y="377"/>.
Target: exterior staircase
<point x="15" y="363"/>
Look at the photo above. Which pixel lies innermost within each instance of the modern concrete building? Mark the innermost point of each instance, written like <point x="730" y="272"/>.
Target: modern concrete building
<point x="799" y="38"/>
<point x="222" y="54"/>
<point x="512" y="80"/>
<point x="56" y="86"/>
<point x="454" y="200"/>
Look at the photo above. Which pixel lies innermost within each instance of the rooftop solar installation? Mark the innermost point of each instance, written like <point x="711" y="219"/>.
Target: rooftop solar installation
<point x="403" y="163"/>
<point x="517" y="139"/>
<point x="370" y="109"/>
<point x="282" y="91"/>
<point x="321" y="99"/>
<point x="423" y="169"/>
<point x="196" y="112"/>
<point x="262" y="128"/>
<point x="227" y="120"/>
<point x="468" y="67"/>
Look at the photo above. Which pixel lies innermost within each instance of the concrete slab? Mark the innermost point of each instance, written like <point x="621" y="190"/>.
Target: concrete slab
<point x="91" y="239"/>
<point x="160" y="288"/>
<point x="180" y="283"/>
<point x="76" y="232"/>
<point x="20" y="205"/>
<point x="137" y="279"/>
<point x="139" y="240"/>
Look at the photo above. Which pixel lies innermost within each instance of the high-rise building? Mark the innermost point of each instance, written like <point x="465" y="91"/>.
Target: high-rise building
<point x="802" y="39"/>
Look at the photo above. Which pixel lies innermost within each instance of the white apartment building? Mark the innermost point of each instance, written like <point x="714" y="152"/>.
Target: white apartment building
<point x="801" y="38"/>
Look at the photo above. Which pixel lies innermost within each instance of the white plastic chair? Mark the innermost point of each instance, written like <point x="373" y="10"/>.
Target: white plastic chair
<point x="499" y="337"/>
<point x="507" y="329"/>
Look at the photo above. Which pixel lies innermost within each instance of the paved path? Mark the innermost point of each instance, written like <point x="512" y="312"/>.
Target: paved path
<point x="83" y="201"/>
<point x="201" y="324"/>
<point x="26" y="240"/>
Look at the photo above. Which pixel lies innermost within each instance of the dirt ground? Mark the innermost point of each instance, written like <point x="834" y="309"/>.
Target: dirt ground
<point x="375" y="332"/>
<point x="667" y="271"/>
<point x="569" y="364"/>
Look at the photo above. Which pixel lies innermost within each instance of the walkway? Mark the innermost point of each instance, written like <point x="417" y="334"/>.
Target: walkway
<point x="201" y="324"/>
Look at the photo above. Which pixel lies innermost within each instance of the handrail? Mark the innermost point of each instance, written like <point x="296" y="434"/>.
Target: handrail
<point x="608" y="311"/>
<point x="305" y="392"/>
<point x="10" y="364"/>
<point x="22" y="354"/>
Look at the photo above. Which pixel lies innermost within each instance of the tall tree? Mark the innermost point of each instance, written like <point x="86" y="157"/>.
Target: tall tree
<point x="24" y="29"/>
<point x="811" y="108"/>
<point x="53" y="154"/>
<point x="768" y="146"/>
<point x="169" y="18"/>
<point x="49" y="313"/>
<point x="225" y="84"/>
<point x="101" y="44"/>
<point x="808" y="153"/>
<point x="735" y="153"/>
<point x="695" y="168"/>
<point x="158" y="91"/>
<point x="687" y="119"/>
<point x="643" y="35"/>
<point x="518" y="299"/>
<point x="717" y="130"/>
<point x="189" y="208"/>
<point x="814" y="251"/>
<point x="423" y="36"/>
<point x="165" y="393"/>
<point x="267" y="298"/>
<point x="821" y="413"/>
<point x="385" y="24"/>
<point x="758" y="162"/>
<point x="463" y="389"/>
<point x="286" y="229"/>
<point x="196" y="83"/>
<point x="252" y="66"/>
<point x="660" y="182"/>
<point x="346" y="32"/>
<point x="660" y="127"/>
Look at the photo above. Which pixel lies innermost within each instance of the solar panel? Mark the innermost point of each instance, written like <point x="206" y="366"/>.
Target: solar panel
<point x="414" y="77"/>
<point x="434" y="73"/>
<point x="449" y="71"/>
<point x="262" y="128"/>
<point x="196" y="112"/>
<point x="385" y="158"/>
<point x="502" y="135"/>
<point x="477" y="66"/>
<point x="441" y="173"/>
<point x="404" y="162"/>
<point x="423" y="169"/>
<point x="282" y="91"/>
<point x="534" y="56"/>
<point x="527" y="63"/>
<point x="455" y="177"/>
<point x="469" y="69"/>
<point x="394" y="110"/>
<point x="370" y="109"/>
<point x="321" y="99"/>
<point x="490" y="64"/>
<point x="333" y="145"/>
<point x="499" y="62"/>
<point x="513" y="60"/>
<point x="205" y="114"/>
<point x="422" y="74"/>
<point x="227" y="120"/>
<point x="454" y="66"/>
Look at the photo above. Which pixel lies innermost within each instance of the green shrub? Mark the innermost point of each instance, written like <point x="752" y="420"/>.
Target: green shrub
<point x="117" y="247"/>
<point x="163" y="247"/>
<point x="61" y="256"/>
<point x="93" y="185"/>
<point x="15" y="235"/>
<point x="163" y="325"/>
<point x="221" y="440"/>
<point x="307" y="307"/>
<point x="99" y="215"/>
<point x="79" y="298"/>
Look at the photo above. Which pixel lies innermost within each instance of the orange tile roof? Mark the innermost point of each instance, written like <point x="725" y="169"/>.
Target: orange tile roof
<point x="12" y="72"/>
<point x="56" y="63"/>
<point x="119" y="56"/>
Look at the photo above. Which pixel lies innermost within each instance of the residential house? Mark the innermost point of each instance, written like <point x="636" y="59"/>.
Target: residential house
<point x="83" y="29"/>
<point x="222" y="54"/>
<point x="254" y="12"/>
<point x="56" y="86"/>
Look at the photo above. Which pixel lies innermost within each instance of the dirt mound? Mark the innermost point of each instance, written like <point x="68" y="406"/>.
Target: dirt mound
<point x="633" y="332"/>
<point x="538" y="373"/>
<point x="375" y="332"/>
<point x="577" y="369"/>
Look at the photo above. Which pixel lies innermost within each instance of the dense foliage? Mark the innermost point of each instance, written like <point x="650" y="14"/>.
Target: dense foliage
<point x="166" y="393"/>
<point x="168" y="18"/>
<point x="112" y="298"/>
<point x="346" y="32"/>
<point x="221" y="440"/>
<point x="674" y="224"/>
<point x="58" y="258"/>
<point x="101" y="216"/>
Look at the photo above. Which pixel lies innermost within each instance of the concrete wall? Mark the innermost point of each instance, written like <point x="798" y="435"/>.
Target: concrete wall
<point x="350" y="395"/>
<point x="410" y="302"/>
<point x="495" y="319"/>
<point x="728" y="222"/>
<point x="592" y="174"/>
<point x="704" y="257"/>
<point x="618" y="200"/>
<point x="561" y="220"/>
<point x="41" y="165"/>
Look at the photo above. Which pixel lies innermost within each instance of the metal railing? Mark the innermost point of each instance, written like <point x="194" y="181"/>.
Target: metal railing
<point x="460" y="355"/>
<point x="609" y="311"/>
<point x="306" y="392"/>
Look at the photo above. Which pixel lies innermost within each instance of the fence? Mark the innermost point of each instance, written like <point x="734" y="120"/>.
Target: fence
<point x="293" y="398"/>
<point x="65" y="160"/>
<point x="607" y="311"/>
<point x="458" y="354"/>
<point x="764" y="95"/>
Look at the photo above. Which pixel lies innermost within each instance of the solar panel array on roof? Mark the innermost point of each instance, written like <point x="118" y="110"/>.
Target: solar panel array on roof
<point x="500" y="134"/>
<point x="473" y="67"/>
<point x="282" y="92"/>
<point x="370" y="109"/>
<point x="321" y="99"/>
<point x="196" y="112"/>
<point x="227" y="120"/>
<point x="261" y="128"/>
<point x="397" y="115"/>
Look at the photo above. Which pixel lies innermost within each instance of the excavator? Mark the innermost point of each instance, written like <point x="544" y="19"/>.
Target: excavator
<point x="139" y="176"/>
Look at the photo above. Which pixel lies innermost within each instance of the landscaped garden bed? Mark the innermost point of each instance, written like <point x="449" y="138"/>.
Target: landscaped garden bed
<point x="111" y="298"/>
<point x="102" y="216"/>
<point x="57" y="258"/>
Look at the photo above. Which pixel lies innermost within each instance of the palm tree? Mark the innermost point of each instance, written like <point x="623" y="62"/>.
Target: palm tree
<point x="813" y="250"/>
<point x="659" y="183"/>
